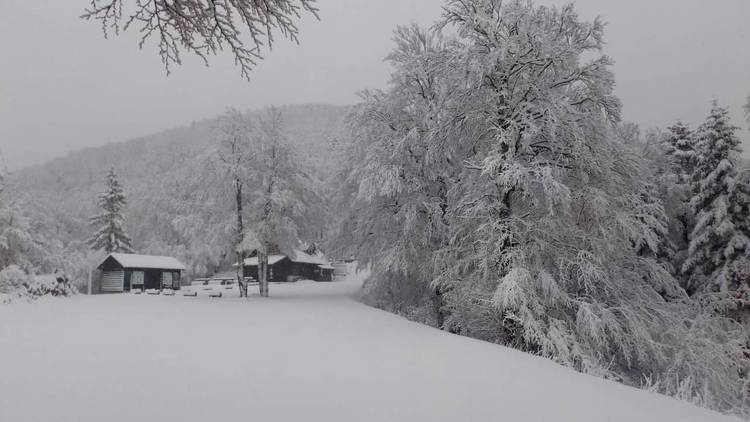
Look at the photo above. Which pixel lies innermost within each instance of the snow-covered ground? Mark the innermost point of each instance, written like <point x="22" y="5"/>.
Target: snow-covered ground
<point x="308" y="353"/>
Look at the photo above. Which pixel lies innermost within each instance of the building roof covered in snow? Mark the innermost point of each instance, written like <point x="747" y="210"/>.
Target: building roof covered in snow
<point x="127" y="260"/>
<point x="272" y="259"/>
<point x="298" y="256"/>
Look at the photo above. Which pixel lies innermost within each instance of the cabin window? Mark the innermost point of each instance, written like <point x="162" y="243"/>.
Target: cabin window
<point x="166" y="279"/>
<point x="136" y="279"/>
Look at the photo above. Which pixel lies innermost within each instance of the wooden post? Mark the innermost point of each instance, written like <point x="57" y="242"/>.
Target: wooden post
<point x="91" y="275"/>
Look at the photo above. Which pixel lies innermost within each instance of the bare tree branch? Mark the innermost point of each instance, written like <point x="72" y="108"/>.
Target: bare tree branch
<point x="204" y="27"/>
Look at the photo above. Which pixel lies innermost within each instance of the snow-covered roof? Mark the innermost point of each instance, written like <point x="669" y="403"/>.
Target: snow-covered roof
<point x="272" y="259"/>
<point x="326" y="267"/>
<point x="306" y="258"/>
<point x="299" y="256"/>
<point x="128" y="260"/>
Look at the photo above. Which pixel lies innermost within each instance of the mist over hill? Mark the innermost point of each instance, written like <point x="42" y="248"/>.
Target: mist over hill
<point x="177" y="200"/>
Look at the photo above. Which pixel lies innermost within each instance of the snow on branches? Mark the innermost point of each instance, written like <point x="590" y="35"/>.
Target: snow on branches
<point x="496" y="194"/>
<point x="204" y="27"/>
<point x="720" y="241"/>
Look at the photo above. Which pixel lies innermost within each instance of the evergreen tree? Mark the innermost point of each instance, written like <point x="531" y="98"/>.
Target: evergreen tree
<point x="720" y="241"/>
<point x="675" y="179"/>
<point x="680" y="148"/>
<point x="110" y="235"/>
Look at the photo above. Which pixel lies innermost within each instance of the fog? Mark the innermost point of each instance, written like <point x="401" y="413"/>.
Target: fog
<point x="64" y="87"/>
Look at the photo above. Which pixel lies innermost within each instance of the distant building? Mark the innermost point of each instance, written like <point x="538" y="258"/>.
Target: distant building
<point x="123" y="272"/>
<point x="301" y="265"/>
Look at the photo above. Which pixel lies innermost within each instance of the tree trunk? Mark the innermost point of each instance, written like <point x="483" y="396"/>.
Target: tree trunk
<point x="240" y="237"/>
<point x="263" y="273"/>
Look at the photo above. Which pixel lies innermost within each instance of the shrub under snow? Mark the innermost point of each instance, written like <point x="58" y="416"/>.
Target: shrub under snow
<point x="16" y="284"/>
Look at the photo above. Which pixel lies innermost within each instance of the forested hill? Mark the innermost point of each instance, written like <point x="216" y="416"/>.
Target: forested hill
<point x="164" y="175"/>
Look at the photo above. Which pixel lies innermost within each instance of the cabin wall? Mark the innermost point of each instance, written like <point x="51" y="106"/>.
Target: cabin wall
<point x="284" y="269"/>
<point x="113" y="281"/>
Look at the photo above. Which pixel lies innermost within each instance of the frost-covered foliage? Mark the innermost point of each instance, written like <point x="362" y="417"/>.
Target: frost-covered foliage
<point x="204" y="27"/>
<point x="16" y="284"/>
<point x="110" y="234"/>
<point x="496" y="194"/>
<point x="285" y="204"/>
<point x="673" y="164"/>
<point x="679" y="145"/>
<point x="719" y="251"/>
<point x="275" y="200"/>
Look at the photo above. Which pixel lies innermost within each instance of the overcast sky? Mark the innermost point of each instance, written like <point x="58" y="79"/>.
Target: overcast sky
<point x="63" y="87"/>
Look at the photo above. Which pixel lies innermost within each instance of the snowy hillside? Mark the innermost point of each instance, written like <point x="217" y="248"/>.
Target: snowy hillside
<point x="175" y="200"/>
<point x="309" y="353"/>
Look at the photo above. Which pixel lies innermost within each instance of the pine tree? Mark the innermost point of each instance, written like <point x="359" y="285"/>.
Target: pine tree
<point x="720" y="241"/>
<point x="110" y="235"/>
<point x="675" y="178"/>
<point x="680" y="148"/>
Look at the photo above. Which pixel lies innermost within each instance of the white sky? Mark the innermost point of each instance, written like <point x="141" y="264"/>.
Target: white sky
<point x="63" y="87"/>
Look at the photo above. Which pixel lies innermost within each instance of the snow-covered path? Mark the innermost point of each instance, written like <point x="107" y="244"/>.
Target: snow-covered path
<point x="309" y="353"/>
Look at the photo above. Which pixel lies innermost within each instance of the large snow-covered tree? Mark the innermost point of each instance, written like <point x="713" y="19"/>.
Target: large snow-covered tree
<point x="110" y="235"/>
<point x="204" y="27"/>
<point x="399" y="174"/>
<point x="285" y="199"/>
<point x="496" y="194"/>
<point x="719" y="254"/>
<point x="235" y="153"/>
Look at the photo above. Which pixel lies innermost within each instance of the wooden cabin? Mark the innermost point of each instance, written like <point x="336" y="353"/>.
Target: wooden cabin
<point x="299" y="266"/>
<point x="124" y="272"/>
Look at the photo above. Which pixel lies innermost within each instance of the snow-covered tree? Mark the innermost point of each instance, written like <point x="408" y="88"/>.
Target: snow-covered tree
<point x="719" y="254"/>
<point x="18" y="245"/>
<point x="399" y="174"/>
<point x="284" y="198"/>
<point x="679" y="145"/>
<point x="236" y="156"/>
<point x="204" y="27"/>
<point x="110" y="234"/>
<point x="675" y="165"/>
<point x="497" y="195"/>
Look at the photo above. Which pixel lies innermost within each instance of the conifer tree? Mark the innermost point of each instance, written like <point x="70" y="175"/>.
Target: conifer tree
<point x="675" y="177"/>
<point x="110" y="235"/>
<point x="720" y="241"/>
<point x="680" y="148"/>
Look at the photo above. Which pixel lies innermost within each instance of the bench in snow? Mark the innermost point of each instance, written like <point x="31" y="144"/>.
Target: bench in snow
<point x="188" y="292"/>
<point x="136" y="291"/>
<point x="228" y="283"/>
<point x="168" y="292"/>
<point x="213" y="284"/>
<point x="215" y="294"/>
<point x="152" y="291"/>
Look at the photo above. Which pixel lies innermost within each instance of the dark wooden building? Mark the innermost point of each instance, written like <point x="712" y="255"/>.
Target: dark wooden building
<point x="124" y="272"/>
<point x="299" y="266"/>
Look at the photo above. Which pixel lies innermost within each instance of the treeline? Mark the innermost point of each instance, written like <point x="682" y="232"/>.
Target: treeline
<point x="496" y="193"/>
<point x="177" y="200"/>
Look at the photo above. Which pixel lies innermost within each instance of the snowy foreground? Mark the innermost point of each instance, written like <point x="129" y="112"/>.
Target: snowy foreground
<point x="309" y="353"/>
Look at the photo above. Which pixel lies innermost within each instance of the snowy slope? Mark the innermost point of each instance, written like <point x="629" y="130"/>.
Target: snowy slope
<point x="309" y="353"/>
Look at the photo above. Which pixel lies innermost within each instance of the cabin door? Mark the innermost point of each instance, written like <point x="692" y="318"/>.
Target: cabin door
<point x="152" y="279"/>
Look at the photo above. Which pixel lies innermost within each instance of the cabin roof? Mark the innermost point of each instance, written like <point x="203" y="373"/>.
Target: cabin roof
<point x="299" y="256"/>
<point x="272" y="259"/>
<point x="127" y="260"/>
